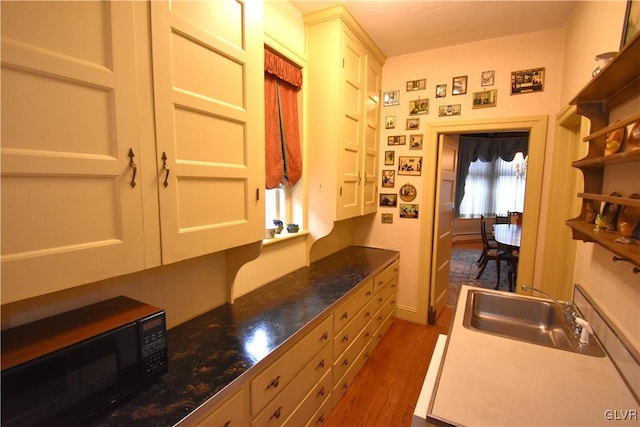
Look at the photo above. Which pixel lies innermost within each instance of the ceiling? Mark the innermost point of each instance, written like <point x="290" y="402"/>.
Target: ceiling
<point x="404" y="26"/>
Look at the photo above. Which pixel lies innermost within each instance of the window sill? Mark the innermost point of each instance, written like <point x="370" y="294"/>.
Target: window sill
<point x="284" y="236"/>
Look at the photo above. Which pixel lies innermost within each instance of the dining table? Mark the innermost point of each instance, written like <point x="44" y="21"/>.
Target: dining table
<point x="508" y="234"/>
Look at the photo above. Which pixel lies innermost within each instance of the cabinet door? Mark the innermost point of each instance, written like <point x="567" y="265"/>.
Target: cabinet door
<point x="371" y="136"/>
<point x="353" y="89"/>
<point x="70" y="214"/>
<point x="209" y="103"/>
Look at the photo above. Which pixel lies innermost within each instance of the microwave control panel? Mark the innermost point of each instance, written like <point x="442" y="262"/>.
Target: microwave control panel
<point x="153" y="345"/>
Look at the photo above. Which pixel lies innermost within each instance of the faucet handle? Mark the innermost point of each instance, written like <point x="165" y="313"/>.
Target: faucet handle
<point x="585" y="330"/>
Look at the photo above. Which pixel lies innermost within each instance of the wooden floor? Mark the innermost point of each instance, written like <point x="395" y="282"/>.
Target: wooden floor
<point x="386" y="390"/>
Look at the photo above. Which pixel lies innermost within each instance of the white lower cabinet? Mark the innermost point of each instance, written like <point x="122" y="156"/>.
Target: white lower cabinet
<point x="303" y="385"/>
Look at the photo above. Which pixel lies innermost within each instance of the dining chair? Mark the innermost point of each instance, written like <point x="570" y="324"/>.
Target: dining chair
<point x="502" y="219"/>
<point x="491" y="241"/>
<point x="489" y="254"/>
<point x="514" y="217"/>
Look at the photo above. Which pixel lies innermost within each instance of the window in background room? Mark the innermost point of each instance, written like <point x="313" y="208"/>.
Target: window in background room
<point x="283" y="152"/>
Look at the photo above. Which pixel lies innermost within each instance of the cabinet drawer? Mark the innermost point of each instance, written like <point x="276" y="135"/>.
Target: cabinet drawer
<point x="385" y="275"/>
<point x="344" y="338"/>
<point x="387" y="309"/>
<point x="318" y="419"/>
<point x="349" y="357"/>
<point x="341" y="387"/>
<point x="347" y="310"/>
<point x="284" y="404"/>
<point x="232" y="412"/>
<point x="312" y="401"/>
<point x="384" y="294"/>
<point x="266" y="385"/>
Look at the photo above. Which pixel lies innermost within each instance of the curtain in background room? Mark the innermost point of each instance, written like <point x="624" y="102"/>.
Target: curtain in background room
<point x="283" y="154"/>
<point x="487" y="176"/>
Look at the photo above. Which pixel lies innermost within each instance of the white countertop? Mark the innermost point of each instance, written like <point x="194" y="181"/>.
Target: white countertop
<point x="486" y="380"/>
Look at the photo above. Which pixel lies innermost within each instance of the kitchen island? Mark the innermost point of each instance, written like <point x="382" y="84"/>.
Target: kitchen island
<point x="224" y="347"/>
<point x="489" y="380"/>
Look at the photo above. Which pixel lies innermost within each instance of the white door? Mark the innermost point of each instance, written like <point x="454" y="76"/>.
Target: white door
<point x="208" y="67"/>
<point x="371" y="136"/>
<point x="443" y="235"/>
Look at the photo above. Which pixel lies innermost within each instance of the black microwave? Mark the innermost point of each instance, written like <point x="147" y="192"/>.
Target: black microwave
<point x="65" y="369"/>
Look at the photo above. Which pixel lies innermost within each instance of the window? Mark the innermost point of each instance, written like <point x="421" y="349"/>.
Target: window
<point x="494" y="187"/>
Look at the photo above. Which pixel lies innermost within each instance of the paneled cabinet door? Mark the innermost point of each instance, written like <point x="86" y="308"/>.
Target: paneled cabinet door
<point x="371" y="136"/>
<point x="209" y="102"/>
<point x="71" y="212"/>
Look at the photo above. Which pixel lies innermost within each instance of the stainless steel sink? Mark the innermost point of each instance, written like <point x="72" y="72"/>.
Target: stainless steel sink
<point x="524" y="319"/>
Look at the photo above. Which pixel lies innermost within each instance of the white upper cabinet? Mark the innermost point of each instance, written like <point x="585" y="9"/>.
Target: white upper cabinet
<point x="208" y="68"/>
<point x="343" y="81"/>
<point x="79" y="198"/>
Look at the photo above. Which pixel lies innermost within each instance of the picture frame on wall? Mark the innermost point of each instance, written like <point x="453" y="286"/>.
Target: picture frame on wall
<point x="441" y="91"/>
<point x="449" y="110"/>
<point x="410" y="165"/>
<point x="485" y="99"/>
<point x="527" y="81"/>
<point x="386" y="218"/>
<point x="389" y="158"/>
<point x="388" y="178"/>
<point x="419" y="106"/>
<point x="388" y="200"/>
<point x="459" y="85"/>
<point x="487" y="78"/>
<point x="408" y="193"/>
<point x="397" y="140"/>
<point x="391" y="98"/>
<point x="416" y="85"/>
<point x="415" y="141"/>
<point x="631" y="22"/>
<point x="409" y="210"/>
<point x="413" y="124"/>
<point x="390" y="122"/>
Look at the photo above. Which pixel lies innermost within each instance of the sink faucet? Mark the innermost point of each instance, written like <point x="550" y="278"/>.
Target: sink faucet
<point x="570" y="313"/>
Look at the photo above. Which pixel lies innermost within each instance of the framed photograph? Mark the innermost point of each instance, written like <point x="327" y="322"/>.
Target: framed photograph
<point x="391" y="98"/>
<point x="485" y="99"/>
<point x="389" y="158"/>
<point x="388" y="178"/>
<point x="459" y="85"/>
<point x="441" y="91"/>
<point x="415" y="141"/>
<point x="410" y="165"/>
<point x="416" y="85"/>
<point x="388" y="200"/>
<point x="409" y="211"/>
<point x="487" y="78"/>
<point x="419" y="106"/>
<point x="390" y="122"/>
<point x="408" y="193"/>
<point x="449" y="110"/>
<point x="527" y="81"/>
<point x="413" y="124"/>
<point x="397" y="140"/>
<point x="386" y="218"/>
<point x="631" y="22"/>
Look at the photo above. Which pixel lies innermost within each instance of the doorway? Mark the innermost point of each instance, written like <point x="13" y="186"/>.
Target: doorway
<point x="428" y="268"/>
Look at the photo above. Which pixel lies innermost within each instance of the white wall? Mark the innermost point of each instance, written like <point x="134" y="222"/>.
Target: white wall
<point x="439" y="66"/>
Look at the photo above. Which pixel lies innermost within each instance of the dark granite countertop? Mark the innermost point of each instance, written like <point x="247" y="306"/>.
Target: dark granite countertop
<point x="211" y="351"/>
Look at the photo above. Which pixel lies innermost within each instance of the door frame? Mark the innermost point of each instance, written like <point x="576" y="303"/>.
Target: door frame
<point x="537" y="128"/>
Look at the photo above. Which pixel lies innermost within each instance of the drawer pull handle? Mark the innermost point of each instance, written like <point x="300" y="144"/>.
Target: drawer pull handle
<point x="276" y="414"/>
<point x="395" y="270"/>
<point x="321" y="364"/>
<point x="320" y="419"/>
<point x="321" y="392"/>
<point x="344" y="386"/>
<point x="380" y="300"/>
<point x="345" y="315"/>
<point x="166" y="169"/>
<point x="345" y="362"/>
<point x="368" y="293"/>
<point x="393" y="286"/>
<point x="380" y="282"/>
<point x="133" y="167"/>
<point x="345" y="338"/>
<point x="324" y="336"/>
<point x="367" y="314"/>
<point x="274" y="383"/>
<point x="367" y="335"/>
<point x="227" y="424"/>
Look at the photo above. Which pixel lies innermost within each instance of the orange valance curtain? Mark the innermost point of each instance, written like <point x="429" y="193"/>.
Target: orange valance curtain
<point x="283" y="154"/>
